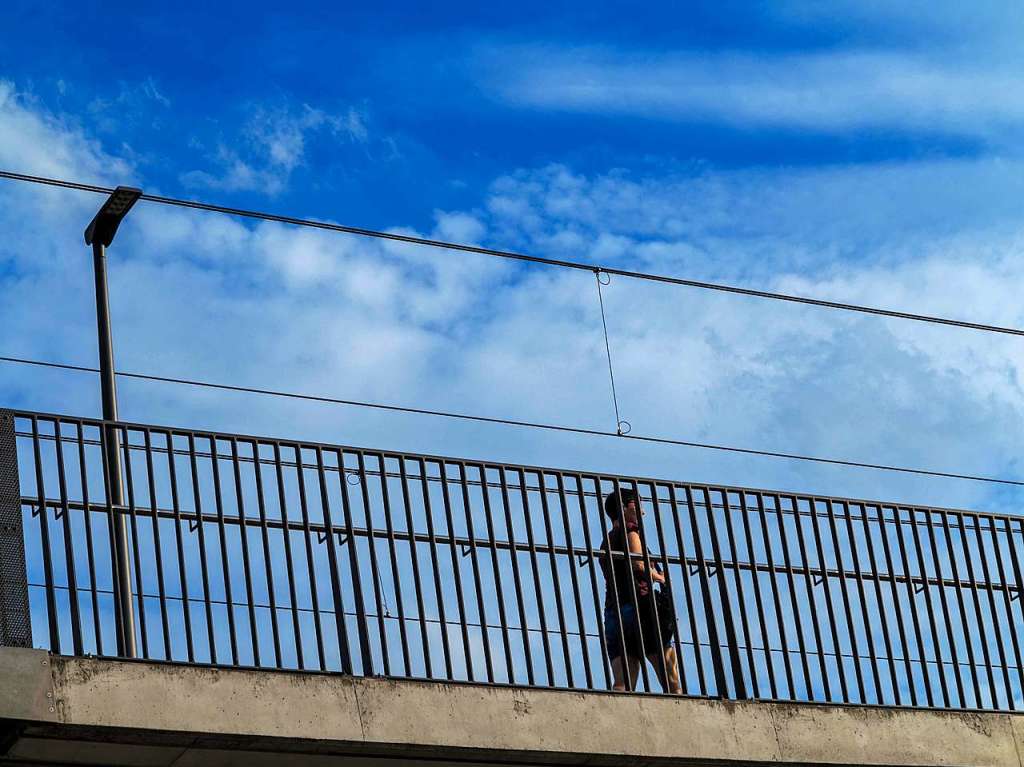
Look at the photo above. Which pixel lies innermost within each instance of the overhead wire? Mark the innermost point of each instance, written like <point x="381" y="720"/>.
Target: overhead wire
<point x="528" y="424"/>
<point x="507" y="254"/>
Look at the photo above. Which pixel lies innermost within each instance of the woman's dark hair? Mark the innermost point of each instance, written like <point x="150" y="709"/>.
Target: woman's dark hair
<point x="616" y="501"/>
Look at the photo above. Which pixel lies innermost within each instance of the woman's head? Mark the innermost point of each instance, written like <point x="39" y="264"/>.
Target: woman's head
<point x="621" y="502"/>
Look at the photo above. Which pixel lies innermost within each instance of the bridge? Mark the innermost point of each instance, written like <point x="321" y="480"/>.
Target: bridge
<point x="343" y="605"/>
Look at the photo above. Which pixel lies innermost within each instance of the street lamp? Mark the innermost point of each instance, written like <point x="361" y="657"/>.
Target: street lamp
<point x="100" y="233"/>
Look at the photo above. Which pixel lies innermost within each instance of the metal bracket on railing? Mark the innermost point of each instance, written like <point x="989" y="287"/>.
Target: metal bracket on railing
<point x="193" y="525"/>
<point x="342" y="537"/>
<point x="34" y="509"/>
<point x="819" y="579"/>
<point x="921" y="589"/>
<point x="466" y="549"/>
<point x="583" y="559"/>
<point x="712" y="570"/>
<point x="1014" y="597"/>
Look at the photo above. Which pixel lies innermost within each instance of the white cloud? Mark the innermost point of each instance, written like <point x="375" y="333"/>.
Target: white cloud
<point x="35" y="141"/>
<point x="210" y="297"/>
<point x="833" y="91"/>
<point x="272" y="145"/>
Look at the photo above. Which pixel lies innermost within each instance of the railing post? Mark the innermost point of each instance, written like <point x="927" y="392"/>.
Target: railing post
<point x="725" y="600"/>
<point x="112" y="446"/>
<point x="15" y="622"/>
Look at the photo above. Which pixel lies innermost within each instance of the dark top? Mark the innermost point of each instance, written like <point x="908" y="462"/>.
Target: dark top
<point x="626" y="578"/>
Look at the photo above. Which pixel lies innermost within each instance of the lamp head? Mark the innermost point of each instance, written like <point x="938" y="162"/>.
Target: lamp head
<point x="104" y="224"/>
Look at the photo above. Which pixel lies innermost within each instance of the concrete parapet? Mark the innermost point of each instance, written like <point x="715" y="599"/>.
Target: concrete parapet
<point x="91" y="710"/>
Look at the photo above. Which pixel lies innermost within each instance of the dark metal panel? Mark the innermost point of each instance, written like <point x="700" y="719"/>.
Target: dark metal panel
<point x="15" y="621"/>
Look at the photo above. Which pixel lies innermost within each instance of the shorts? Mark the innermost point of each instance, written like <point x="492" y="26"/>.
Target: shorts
<point x="630" y="629"/>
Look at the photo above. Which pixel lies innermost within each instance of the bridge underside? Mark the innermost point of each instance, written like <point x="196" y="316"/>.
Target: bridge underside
<point x="63" y="710"/>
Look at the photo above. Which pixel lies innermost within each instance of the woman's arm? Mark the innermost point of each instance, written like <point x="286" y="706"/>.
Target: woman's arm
<point x="636" y="547"/>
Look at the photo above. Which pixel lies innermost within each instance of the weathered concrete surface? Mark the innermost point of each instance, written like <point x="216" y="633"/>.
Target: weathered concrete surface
<point x="110" y="712"/>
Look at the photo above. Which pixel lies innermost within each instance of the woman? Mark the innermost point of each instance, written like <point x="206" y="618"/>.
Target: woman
<point x="629" y="600"/>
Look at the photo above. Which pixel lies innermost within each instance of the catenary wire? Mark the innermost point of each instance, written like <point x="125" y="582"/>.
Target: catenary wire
<point x="566" y="264"/>
<point x="619" y="423"/>
<point x="528" y="424"/>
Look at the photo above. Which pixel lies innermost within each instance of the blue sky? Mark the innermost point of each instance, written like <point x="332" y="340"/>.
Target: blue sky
<point x="440" y="98"/>
<point x="869" y="153"/>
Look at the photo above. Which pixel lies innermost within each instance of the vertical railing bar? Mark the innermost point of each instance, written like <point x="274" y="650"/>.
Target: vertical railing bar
<point x="611" y="579"/>
<point x="559" y="607"/>
<point x="630" y="560"/>
<point x="944" y="602"/>
<point x="268" y="566"/>
<point x="1014" y="561"/>
<point x="685" y="574"/>
<point x="977" y="612"/>
<point x="930" y="611"/>
<point x="341" y="627"/>
<point x="222" y="533"/>
<point x="200" y="525"/>
<point x="44" y="534"/>
<point x="721" y="684"/>
<point x="730" y="629"/>
<point x="374" y="565"/>
<point x="69" y="551"/>
<point x="868" y="630"/>
<point x="517" y="579"/>
<point x="598" y="611"/>
<point x="90" y="554"/>
<point x="136" y="546"/>
<point x="1019" y="663"/>
<point x="809" y="583"/>
<point x="979" y="534"/>
<point x="667" y="573"/>
<point x="485" y="634"/>
<point x="456" y="570"/>
<point x="588" y="674"/>
<point x="758" y="600"/>
<point x="780" y="617"/>
<point x="813" y="519"/>
<point x="474" y="564"/>
<point x="801" y="642"/>
<point x="740" y="597"/>
<point x="114" y="517"/>
<point x="300" y="478"/>
<point x="428" y="513"/>
<point x="496" y="572"/>
<point x="158" y="548"/>
<point x="393" y="554"/>
<point x="186" y="604"/>
<point x="536" y="576"/>
<point x="844" y="589"/>
<point x="645" y="556"/>
<point x="869" y="539"/>
<point x="286" y="535"/>
<point x="915" y="619"/>
<point x="410" y="526"/>
<point x="243" y="534"/>
<point x="961" y="609"/>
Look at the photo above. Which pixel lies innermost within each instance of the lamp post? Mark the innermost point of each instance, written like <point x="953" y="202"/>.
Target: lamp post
<point x="100" y="233"/>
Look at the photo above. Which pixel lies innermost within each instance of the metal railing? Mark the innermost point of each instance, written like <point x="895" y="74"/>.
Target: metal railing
<point x="260" y="552"/>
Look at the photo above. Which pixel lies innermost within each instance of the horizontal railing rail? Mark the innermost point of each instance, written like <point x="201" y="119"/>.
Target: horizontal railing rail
<point x="254" y="551"/>
<point x="584" y="555"/>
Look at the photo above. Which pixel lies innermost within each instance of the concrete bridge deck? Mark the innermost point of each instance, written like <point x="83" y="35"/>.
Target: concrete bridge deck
<point x="69" y="710"/>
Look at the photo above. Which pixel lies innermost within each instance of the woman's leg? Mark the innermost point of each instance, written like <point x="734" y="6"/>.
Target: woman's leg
<point x="619" y="670"/>
<point x="666" y="665"/>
